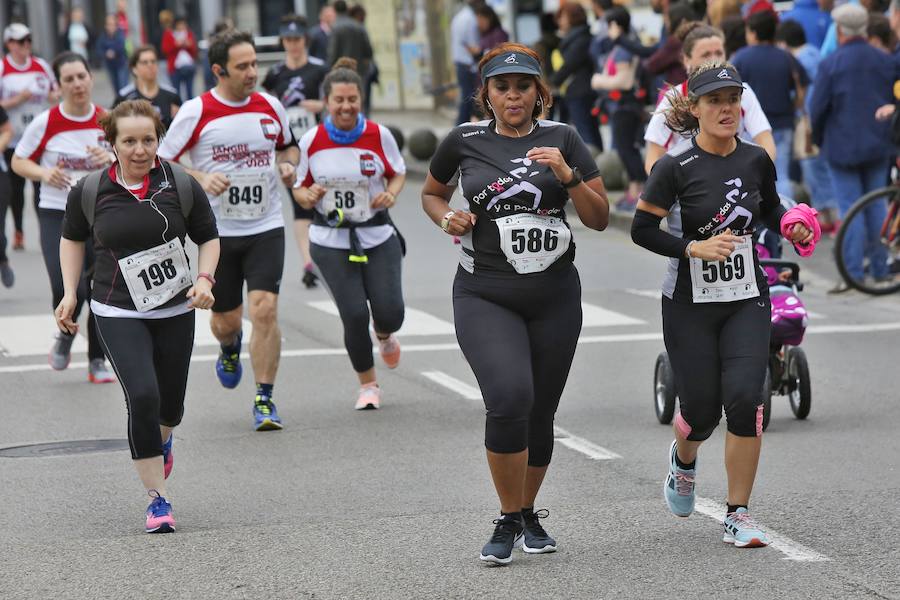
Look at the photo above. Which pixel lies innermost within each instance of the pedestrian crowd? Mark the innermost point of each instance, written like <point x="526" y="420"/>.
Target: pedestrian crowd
<point x="116" y="206"/>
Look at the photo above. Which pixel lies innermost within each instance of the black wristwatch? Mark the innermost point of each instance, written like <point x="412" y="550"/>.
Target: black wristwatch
<point x="576" y="179"/>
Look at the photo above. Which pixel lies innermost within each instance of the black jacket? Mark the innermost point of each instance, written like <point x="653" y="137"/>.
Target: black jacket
<point x="577" y="63"/>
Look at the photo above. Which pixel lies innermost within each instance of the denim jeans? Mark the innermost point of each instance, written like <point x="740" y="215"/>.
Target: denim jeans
<point x="817" y="177"/>
<point x="585" y="124"/>
<point x="184" y="76"/>
<point x="862" y="238"/>
<point x="784" y="145"/>
<point x="466" y="80"/>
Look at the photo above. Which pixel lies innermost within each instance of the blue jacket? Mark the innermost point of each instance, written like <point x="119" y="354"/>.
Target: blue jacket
<point x="115" y="43"/>
<point x="850" y="86"/>
<point x="814" y="20"/>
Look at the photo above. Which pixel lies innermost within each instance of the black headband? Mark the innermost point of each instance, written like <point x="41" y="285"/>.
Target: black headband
<point x="714" y="79"/>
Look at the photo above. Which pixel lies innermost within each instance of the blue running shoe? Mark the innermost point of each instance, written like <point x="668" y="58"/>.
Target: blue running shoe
<point x="265" y="416"/>
<point x="168" y="457"/>
<point x="228" y="366"/>
<point x="679" y="489"/>
<point x="159" y="515"/>
<point x="742" y="531"/>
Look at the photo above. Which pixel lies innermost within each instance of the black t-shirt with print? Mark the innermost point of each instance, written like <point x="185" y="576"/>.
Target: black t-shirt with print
<point x="293" y="86"/>
<point x="124" y="226"/>
<point x="706" y="194"/>
<point x="163" y="101"/>
<point x="498" y="181"/>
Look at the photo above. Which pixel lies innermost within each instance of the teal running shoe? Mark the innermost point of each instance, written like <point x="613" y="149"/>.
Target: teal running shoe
<point x="679" y="489"/>
<point x="742" y="531"/>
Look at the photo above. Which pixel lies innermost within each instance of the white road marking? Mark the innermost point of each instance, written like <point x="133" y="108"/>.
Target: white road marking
<point x="415" y="322"/>
<point x="452" y="346"/>
<point x="596" y="316"/>
<point x="655" y="294"/>
<point x="792" y="550"/>
<point x="578" y="444"/>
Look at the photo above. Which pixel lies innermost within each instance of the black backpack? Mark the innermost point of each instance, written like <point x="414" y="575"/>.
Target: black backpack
<point x="182" y="182"/>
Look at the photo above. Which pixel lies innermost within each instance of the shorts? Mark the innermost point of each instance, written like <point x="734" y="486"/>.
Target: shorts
<point x="257" y="259"/>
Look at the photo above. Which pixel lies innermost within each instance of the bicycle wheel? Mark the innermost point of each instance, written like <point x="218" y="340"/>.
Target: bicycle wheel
<point x="882" y="205"/>
<point x="799" y="391"/>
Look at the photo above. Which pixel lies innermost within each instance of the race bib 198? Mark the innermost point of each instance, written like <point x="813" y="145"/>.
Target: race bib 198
<point x="156" y="275"/>
<point x="532" y="243"/>
<point x="351" y="197"/>
<point x="247" y="196"/>
<point x="726" y="281"/>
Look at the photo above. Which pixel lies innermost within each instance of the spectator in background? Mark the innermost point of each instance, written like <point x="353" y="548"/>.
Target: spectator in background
<point x="111" y="49"/>
<point x="573" y="68"/>
<point x="719" y="10"/>
<point x="895" y="25"/>
<point x="880" y="34"/>
<point x="223" y="24"/>
<point x="349" y="39"/>
<point x="856" y="145"/>
<point x="779" y="81"/>
<point x="180" y="48"/>
<point x="812" y="18"/>
<point x="357" y="12"/>
<point x="318" y="35"/>
<point x="122" y="18"/>
<point x="663" y="61"/>
<point x="145" y="68"/>
<point x="548" y="42"/>
<point x="492" y="32"/>
<point x="166" y="22"/>
<point x="600" y="45"/>
<point x="734" y="29"/>
<point x="79" y="36"/>
<point x="618" y="82"/>
<point x="792" y="37"/>
<point x="463" y="43"/>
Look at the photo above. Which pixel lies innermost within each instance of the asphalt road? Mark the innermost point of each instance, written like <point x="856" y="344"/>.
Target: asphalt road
<point x="396" y="503"/>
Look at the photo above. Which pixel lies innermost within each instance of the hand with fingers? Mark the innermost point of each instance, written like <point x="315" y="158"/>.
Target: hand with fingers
<point x="384" y="200"/>
<point x="215" y="183"/>
<point x="56" y="177"/>
<point x="718" y="248"/>
<point x="801" y="235"/>
<point x="552" y="157"/>
<point x="460" y="223"/>
<point x="200" y="294"/>
<point x="63" y="314"/>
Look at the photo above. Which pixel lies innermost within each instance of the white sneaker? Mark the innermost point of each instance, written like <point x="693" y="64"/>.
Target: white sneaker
<point x="369" y="398"/>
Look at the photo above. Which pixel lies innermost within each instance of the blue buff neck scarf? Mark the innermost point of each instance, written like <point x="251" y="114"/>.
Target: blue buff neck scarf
<point x="340" y="136"/>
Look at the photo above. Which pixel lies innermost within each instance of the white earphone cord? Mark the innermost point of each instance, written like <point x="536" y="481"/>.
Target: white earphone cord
<point x="150" y="199"/>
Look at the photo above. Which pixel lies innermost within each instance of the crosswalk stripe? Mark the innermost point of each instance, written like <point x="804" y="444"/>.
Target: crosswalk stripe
<point x="416" y="322"/>
<point x="596" y="316"/>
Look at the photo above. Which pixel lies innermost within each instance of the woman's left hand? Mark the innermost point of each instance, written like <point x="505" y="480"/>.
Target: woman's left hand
<point x="546" y="155"/>
<point x="800" y="234"/>
<point x="200" y="294"/>
<point x="384" y="200"/>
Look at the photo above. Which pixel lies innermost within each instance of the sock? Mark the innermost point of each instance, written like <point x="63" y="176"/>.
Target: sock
<point x="684" y="466"/>
<point x="527" y="510"/>
<point x="265" y="389"/>
<point x="733" y="507"/>
<point x="232" y="348"/>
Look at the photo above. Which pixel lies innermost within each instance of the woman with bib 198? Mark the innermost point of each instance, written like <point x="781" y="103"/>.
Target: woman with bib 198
<point x="516" y="295"/>
<point x="715" y="189"/>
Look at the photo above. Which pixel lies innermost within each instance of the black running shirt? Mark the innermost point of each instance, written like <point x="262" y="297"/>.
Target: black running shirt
<point x="508" y="193"/>
<point x="706" y="194"/>
<point x="293" y="86"/>
<point x="164" y="101"/>
<point x="124" y="226"/>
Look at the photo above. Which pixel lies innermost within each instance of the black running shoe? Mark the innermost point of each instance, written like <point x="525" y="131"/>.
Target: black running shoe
<point x="536" y="539"/>
<point x="507" y="535"/>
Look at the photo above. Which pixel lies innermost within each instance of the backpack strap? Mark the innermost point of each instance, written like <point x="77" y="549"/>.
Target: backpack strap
<point x="89" y="191"/>
<point x="184" y="188"/>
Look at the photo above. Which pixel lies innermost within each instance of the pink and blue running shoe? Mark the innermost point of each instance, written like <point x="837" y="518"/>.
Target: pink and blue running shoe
<point x="228" y="365"/>
<point x="679" y="489"/>
<point x="159" y="515"/>
<point x="742" y="531"/>
<point x="168" y="458"/>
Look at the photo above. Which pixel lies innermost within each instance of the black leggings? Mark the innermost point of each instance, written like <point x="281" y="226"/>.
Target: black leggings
<point x="51" y="222"/>
<point x="4" y="205"/>
<point x="719" y="353"/>
<point x="151" y="358"/>
<point x="356" y="286"/>
<point x="17" y="193"/>
<point x="626" y="125"/>
<point x="519" y="336"/>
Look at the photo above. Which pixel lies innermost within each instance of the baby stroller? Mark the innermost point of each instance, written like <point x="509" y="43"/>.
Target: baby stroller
<point x="788" y="370"/>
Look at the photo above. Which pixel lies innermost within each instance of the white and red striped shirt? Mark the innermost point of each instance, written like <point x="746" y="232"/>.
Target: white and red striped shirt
<point x="372" y="158"/>
<point x="233" y="137"/>
<point x="55" y="139"/>
<point x="35" y="76"/>
<point x="753" y="119"/>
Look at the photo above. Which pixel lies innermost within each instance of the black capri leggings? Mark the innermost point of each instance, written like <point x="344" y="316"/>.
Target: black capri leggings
<point x="151" y="358"/>
<point x="51" y="222"/>
<point x="356" y="286"/>
<point x="719" y="353"/>
<point x="519" y="336"/>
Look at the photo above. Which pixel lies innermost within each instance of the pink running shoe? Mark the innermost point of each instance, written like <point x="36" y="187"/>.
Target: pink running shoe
<point x="369" y="397"/>
<point x="390" y="351"/>
<point x="159" y="515"/>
